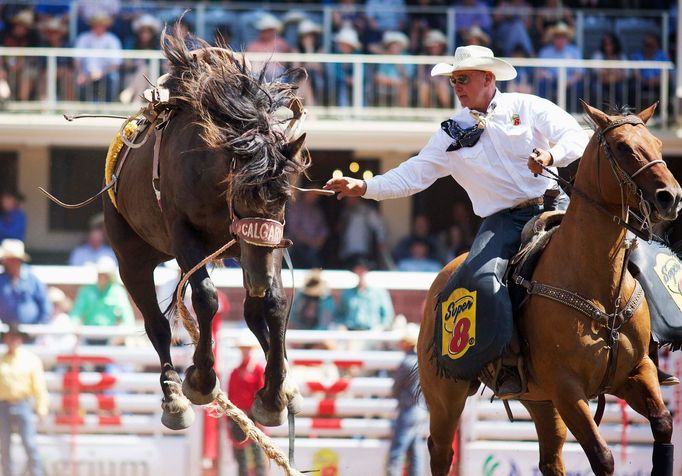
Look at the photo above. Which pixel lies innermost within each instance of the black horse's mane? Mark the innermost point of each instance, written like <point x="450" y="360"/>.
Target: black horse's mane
<point x="236" y="113"/>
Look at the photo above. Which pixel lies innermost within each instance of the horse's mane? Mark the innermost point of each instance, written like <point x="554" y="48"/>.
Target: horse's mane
<point x="236" y="113"/>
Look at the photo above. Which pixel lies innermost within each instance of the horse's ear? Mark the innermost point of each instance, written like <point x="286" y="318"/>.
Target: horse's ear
<point x="293" y="148"/>
<point x="646" y="114"/>
<point x="600" y="118"/>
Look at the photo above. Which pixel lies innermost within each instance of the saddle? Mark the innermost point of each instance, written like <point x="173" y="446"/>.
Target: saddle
<point x="534" y="238"/>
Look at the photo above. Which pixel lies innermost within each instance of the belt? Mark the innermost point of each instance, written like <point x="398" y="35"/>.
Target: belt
<point x="552" y="192"/>
<point x="530" y="203"/>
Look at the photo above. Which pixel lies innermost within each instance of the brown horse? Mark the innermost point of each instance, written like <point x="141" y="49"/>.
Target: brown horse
<point x="566" y="351"/>
<point x="223" y="156"/>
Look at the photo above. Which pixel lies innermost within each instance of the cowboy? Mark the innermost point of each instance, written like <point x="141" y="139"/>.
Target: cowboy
<point x="22" y="388"/>
<point x="23" y="297"/>
<point x="492" y="147"/>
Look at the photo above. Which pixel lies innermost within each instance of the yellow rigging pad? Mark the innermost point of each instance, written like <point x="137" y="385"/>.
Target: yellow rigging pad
<point x="112" y="156"/>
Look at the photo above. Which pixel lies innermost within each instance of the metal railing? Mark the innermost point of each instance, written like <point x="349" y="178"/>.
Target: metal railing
<point x="369" y="86"/>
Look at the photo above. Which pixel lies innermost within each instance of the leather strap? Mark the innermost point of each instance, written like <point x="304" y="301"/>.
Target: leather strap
<point x="581" y="304"/>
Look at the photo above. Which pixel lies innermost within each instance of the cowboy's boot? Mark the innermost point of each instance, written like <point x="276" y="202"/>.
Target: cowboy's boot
<point x="664" y="379"/>
<point x="510" y="381"/>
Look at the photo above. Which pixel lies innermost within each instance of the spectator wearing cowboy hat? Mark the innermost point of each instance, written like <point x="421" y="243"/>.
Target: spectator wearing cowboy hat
<point x="245" y="380"/>
<point x="53" y="32"/>
<point x="104" y="303"/>
<point x="146" y="29"/>
<point x="269" y="41"/>
<point x="346" y="42"/>
<point x="408" y="427"/>
<point x="313" y="306"/>
<point x="310" y="41"/>
<point x="492" y="147"/>
<point x="22" y="388"/>
<point x="433" y="91"/>
<point x="559" y="46"/>
<point x="364" y="307"/>
<point x="394" y="81"/>
<point x="12" y="217"/>
<point x="23" y="297"/>
<point x="476" y="36"/>
<point x="98" y="78"/>
<point x="21" y="73"/>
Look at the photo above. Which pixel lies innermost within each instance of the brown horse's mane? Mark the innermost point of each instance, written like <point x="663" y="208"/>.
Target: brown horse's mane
<point x="235" y="110"/>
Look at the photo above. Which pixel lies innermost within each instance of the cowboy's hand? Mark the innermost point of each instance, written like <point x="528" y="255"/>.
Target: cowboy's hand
<point x="346" y="187"/>
<point x="538" y="157"/>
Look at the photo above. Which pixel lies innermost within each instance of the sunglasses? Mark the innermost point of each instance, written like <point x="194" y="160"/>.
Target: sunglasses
<point x="462" y="79"/>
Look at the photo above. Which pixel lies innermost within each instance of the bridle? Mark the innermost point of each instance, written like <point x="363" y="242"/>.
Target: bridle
<point x="625" y="182"/>
<point x="257" y="231"/>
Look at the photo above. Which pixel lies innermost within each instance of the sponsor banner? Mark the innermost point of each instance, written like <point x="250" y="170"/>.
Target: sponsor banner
<point x="521" y="459"/>
<point x="110" y="455"/>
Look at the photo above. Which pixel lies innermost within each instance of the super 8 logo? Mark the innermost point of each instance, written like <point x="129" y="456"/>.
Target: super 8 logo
<point x="458" y="317"/>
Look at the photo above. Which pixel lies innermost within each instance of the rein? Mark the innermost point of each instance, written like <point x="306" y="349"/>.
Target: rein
<point x="624" y="179"/>
<point x="614" y="321"/>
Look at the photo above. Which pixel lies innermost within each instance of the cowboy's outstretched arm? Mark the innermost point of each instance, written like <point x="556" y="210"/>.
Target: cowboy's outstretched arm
<point x="410" y="177"/>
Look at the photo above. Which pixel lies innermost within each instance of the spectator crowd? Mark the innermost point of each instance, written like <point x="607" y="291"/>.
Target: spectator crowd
<point x="543" y="29"/>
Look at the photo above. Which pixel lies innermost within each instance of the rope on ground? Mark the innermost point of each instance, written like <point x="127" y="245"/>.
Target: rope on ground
<point x="222" y="405"/>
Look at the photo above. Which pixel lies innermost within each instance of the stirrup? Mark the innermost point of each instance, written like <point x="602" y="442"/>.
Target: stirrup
<point x="666" y="379"/>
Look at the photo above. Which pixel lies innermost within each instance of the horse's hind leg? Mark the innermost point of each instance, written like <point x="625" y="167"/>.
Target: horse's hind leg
<point x="642" y="392"/>
<point x="136" y="264"/>
<point x="267" y="319"/>
<point x="551" y="432"/>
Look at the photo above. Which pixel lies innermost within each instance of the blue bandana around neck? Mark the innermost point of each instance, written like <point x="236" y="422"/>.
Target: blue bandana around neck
<point x="466" y="137"/>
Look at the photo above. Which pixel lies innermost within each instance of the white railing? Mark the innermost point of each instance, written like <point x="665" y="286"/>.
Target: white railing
<point x="57" y="93"/>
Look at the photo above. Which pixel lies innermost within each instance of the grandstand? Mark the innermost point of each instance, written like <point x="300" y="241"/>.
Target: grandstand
<point x="356" y="127"/>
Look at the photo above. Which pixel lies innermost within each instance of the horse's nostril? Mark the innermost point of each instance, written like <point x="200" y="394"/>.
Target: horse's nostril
<point x="665" y="199"/>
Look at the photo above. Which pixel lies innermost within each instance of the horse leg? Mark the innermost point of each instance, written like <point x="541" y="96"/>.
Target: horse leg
<point x="137" y="261"/>
<point x="642" y="392"/>
<point x="270" y="405"/>
<point x="575" y="412"/>
<point x="551" y="432"/>
<point x="201" y="384"/>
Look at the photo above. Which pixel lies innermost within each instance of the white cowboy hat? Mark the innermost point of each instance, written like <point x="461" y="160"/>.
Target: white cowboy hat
<point x="54" y="24"/>
<point x="12" y="248"/>
<point x="106" y="265"/>
<point x="478" y="58"/>
<point x="410" y="333"/>
<point x="476" y="32"/>
<point x="308" y="26"/>
<point x="147" y="21"/>
<point x="100" y="17"/>
<point x="395" y="37"/>
<point x="435" y="37"/>
<point x="559" y="28"/>
<point x="268" y="22"/>
<point x="348" y="36"/>
<point x="24" y="17"/>
<point x="246" y="339"/>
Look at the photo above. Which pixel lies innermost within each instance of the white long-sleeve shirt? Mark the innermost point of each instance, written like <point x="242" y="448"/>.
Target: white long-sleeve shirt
<point x="494" y="172"/>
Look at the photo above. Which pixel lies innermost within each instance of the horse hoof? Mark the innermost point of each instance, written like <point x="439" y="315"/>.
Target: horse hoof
<point x="295" y="405"/>
<point x="178" y="420"/>
<point x="266" y="417"/>
<point x="197" y="397"/>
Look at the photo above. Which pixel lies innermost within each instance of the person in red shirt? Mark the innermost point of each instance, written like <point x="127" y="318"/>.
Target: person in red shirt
<point x="245" y="381"/>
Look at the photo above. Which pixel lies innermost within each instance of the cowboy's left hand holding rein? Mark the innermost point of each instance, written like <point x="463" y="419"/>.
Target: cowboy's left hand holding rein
<point x="538" y="157"/>
<point x="346" y="187"/>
